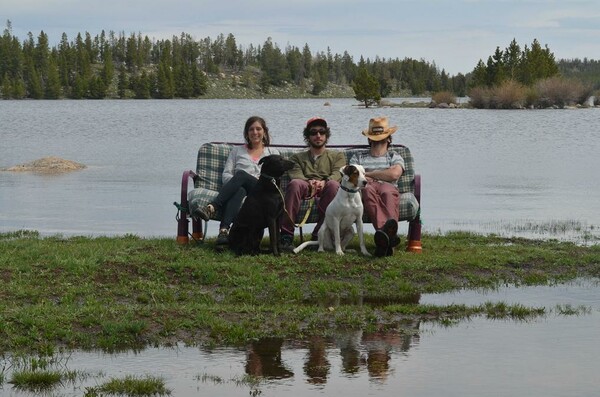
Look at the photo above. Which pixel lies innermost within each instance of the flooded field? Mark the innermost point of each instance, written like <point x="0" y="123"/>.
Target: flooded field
<point x="552" y="355"/>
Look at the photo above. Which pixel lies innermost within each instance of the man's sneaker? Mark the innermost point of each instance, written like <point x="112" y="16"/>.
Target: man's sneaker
<point x="223" y="237"/>
<point x="382" y="244"/>
<point x="287" y="243"/>
<point x="390" y="227"/>
<point x="205" y="213"/>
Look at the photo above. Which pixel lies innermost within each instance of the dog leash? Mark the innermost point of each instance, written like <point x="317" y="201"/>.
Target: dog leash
<point x="308" y="211"/>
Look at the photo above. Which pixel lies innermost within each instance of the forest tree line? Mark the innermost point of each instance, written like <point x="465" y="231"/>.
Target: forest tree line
<point x="116" y="65"/>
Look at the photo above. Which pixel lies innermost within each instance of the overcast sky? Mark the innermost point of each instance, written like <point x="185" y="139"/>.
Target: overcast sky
<point x="455" y="34"/>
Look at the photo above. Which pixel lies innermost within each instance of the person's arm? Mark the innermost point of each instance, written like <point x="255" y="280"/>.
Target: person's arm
<point x="391" y="174"/>
<point x="229" y="168"/>
<point x="339" y="162"/>
<point x="296" y="172"/>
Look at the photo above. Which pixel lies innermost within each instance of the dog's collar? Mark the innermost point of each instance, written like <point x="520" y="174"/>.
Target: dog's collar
<point x="344" y="188"/>
<point x="269" y="177"/>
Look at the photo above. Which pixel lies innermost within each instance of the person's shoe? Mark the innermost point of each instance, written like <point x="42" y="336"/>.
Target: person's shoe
<point x="382" y="243"/>
<point x="287" y="243"/>
<point x="223" y="237"/>
<point x="394" y="241"/>
<point x="205" y="213"/>
<point x="390" y="228"/>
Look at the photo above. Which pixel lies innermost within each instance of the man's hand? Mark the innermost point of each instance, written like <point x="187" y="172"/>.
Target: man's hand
<point x="316" y="187"/>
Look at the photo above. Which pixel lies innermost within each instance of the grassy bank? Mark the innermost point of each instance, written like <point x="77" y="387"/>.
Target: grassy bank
<point x="127" y="292"/>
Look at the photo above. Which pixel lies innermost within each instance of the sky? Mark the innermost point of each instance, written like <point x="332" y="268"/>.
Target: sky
<point x="453" y="34"/>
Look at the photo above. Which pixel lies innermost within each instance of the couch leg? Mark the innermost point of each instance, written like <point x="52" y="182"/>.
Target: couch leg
<point x="197" y="234"/>
<point x="182" y="230"/>
<point x="414" y="246"/>
<point x="414" y="236"/>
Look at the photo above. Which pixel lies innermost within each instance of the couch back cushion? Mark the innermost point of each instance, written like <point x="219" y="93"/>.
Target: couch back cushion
<point x="212" y="157"/>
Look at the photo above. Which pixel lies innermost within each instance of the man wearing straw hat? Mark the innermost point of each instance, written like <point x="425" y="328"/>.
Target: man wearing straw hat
<point x="381" y="197"/>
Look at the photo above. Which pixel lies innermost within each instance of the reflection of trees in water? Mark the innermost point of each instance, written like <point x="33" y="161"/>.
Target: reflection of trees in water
<point x="264" y="359"/>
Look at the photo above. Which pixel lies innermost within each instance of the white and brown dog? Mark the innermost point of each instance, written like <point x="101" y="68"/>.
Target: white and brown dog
<point x="345" y="210"/>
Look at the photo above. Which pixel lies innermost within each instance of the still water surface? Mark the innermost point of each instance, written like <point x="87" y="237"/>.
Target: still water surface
<point x="555" y="355"/>
<point x="523" y="173"/>
<point x="529" y="173"/>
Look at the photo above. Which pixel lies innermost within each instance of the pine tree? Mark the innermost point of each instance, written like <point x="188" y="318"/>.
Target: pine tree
<point x="123" y="82"/>
<point x="199" y="81"/>
<point x="511" y="59"/>
<point x="53" y="88"/>
<point x="366" y="87"/>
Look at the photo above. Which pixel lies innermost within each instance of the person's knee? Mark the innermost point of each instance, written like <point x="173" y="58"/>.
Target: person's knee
<point x="295" y="188"/>
<point x="332" y="185"/>
<point x="393" y="195"/>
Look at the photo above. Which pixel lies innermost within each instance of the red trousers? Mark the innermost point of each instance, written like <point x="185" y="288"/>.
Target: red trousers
<point x="382" y="202"/>
<point x="297" y="190"/>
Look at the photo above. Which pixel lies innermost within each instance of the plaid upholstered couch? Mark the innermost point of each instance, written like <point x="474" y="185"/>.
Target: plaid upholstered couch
<point x="207" y="180"/>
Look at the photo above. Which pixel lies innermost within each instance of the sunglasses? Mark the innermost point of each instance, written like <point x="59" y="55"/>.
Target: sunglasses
<point x="315" y="131"/>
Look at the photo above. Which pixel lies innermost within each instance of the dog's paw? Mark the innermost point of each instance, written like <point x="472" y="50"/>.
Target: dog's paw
<point x="340" y="252"/>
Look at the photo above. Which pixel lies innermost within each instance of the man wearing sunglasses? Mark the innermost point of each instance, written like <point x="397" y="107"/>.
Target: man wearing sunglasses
<point x="316" y="173"/>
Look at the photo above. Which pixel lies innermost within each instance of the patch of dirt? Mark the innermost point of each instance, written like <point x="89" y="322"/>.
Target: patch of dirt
<point x="47" y="165"/>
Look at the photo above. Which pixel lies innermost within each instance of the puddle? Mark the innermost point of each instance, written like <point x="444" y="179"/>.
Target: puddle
<point x="555" y="355"/>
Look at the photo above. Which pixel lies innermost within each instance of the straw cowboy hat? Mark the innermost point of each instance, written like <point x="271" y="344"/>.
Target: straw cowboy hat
<point x="379" y="129"/>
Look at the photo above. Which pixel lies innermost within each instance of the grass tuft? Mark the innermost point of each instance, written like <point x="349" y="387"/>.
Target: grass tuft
<point x="131" y="386"/>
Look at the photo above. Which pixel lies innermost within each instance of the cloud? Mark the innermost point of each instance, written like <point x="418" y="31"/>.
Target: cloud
<point x="454" y="35"/>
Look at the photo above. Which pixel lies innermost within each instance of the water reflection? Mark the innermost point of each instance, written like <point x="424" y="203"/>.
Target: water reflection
<point x="552" y="356"/>
<point x="264" y="359"/>
<point x="316" y="365"/>
<point x="357" y="351"/>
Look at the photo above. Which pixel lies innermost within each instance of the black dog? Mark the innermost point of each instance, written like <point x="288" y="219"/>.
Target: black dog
<point x="262" y="209"/>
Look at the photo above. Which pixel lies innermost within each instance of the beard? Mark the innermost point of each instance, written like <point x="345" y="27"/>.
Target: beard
<point x="316" y="145"/>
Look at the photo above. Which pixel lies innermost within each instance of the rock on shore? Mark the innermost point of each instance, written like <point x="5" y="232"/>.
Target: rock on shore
<point x="49" y="165"/>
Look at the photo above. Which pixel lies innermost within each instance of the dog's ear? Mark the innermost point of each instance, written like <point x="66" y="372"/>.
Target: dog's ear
<point x="262" y="160"/>
<point x="348" y="170"/>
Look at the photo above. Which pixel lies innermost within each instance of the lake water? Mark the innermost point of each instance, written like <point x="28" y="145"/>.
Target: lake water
<point x="516" y="173"/>
<point x="526" y="173"/>
<point x="551" y="356"/>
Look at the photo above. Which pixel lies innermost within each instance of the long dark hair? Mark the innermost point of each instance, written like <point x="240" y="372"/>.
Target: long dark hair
<point x="263" y="123"/>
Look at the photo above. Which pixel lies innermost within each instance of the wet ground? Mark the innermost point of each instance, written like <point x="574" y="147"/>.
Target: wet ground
<point x="555" y="355"/>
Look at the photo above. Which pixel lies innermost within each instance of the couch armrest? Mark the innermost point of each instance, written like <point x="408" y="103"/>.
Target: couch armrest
<point x="184" y="212"/>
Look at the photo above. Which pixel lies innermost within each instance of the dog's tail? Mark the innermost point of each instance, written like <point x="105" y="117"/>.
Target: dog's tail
<point x="304" y="245"/>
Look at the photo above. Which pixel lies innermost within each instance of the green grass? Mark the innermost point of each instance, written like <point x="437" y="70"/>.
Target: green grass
<point x="130" y="386"/>
<point x="36" y="381"/>
<point x="116" y="293"/>
<point x="40" y="374"/>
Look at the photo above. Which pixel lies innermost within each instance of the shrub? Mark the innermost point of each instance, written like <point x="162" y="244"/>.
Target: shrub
<point x="479" y="97"/>
<point x="444" y="97"/>
<point x="509" y="95"/>
<point x="531" y="97"/>
<point x="557" y="91"/>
